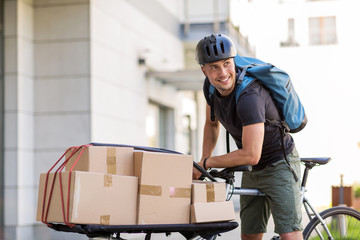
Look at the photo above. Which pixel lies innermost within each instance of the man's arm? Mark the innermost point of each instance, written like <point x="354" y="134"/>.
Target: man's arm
<point x="252" y="141"/>
<point x="210" y="136"/>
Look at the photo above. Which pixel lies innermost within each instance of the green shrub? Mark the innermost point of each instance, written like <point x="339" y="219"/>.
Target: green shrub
<point x="356" y="188"/>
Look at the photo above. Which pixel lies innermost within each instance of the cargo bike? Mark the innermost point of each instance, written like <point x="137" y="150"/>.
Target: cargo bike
<point x="334" y="223"/>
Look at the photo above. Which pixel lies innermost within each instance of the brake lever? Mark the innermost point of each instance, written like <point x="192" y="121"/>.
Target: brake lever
<point x="225" y="174"/>
<point x="204" y="173"/>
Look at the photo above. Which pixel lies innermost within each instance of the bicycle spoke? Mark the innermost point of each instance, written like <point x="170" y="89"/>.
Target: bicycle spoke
<point x="343" y="223"/>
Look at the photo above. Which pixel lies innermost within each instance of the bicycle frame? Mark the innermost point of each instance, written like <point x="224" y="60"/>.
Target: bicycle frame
<point x="243" y="191"/>
<point x="309" y="208"/>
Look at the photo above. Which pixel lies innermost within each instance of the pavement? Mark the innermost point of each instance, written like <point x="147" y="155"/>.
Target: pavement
<point x="231" y="235"/>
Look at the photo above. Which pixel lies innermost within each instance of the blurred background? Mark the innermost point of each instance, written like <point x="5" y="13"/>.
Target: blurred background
<point x="123" y="71"/>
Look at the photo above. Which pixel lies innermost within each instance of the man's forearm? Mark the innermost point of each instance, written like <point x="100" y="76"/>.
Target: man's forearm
<point x="211" y="134"/>
<point x="249" y="154"/>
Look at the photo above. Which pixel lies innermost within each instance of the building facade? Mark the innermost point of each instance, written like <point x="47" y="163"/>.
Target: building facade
<point x="109" y="71"/>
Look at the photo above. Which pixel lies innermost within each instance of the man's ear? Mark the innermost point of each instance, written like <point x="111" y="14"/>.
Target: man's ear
<point x="203" y="69"/>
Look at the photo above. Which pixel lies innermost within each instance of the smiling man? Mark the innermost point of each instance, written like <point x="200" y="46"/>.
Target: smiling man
<point x="259" y="144"/>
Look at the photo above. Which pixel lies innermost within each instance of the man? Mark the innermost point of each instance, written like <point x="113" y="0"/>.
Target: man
<point x="259" y="144"/>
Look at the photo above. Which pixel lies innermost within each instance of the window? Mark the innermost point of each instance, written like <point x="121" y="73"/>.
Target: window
<point x="160" y="126"/>
<point x="291" y="35"/>
<point x="152" y="120"/>
<point x="322" y="30"/>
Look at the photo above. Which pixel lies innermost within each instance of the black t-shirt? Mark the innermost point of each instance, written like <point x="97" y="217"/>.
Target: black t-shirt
<point x="254" y="105"/>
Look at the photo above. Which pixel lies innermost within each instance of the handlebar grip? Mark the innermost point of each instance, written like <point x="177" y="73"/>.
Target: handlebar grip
<point x="242" y="168"/>
<point x="204" y="172"/>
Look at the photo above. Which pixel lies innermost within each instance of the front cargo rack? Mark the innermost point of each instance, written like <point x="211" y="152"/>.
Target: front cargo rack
<point x="189" y="231"/>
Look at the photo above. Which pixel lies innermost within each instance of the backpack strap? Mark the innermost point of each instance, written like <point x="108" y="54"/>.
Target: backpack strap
<point x="278" y="123"/>
<point x="242" y="84"/>
<point x="245" y="67"/>
<point x="227" y="141"/>
<point x="211" y="97"/>
<point x="283" y="129"/>
<point x="243" y="70"/>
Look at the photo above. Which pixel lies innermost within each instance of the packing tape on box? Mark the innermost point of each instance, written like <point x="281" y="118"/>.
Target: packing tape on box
<point x="174" y="192"/>
<point x="111" y="160"/>
<point x="179" y="192"/>
<point x="151" y="190"/>
<point x="210" y="192"/>
<point x="107" y="180"/>
<point x="105" y="220"/>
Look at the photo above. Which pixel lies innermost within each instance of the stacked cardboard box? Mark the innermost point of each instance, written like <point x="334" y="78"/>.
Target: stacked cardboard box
<point x="94" y="198"/>
<point x="209" y="203"/>
<point x="164" y="187"/>
<point x="100" y="189"/>
<point x="102" y="159"/>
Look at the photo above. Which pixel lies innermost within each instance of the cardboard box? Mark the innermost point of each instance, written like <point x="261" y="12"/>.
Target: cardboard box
<point x="212" y="212"/>
<point x="203" y="191"/>
<point x="95" y="198"/>
<point x="102" y="159"/>
<point x="164" y="187"/>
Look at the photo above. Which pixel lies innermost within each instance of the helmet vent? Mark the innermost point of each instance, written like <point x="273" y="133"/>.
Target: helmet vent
<point x="207" y="51"/>
<point x="222" y="47"/>
<point x="215" y="50"/>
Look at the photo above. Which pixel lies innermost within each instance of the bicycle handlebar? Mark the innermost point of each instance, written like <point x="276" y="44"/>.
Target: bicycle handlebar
<point x="226" y="174"/>
<point x="242" y="168"/>
<point x="204" y="173"/>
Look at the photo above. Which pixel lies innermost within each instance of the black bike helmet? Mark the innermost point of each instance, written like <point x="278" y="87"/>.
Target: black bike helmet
<point x="213" y="48"/>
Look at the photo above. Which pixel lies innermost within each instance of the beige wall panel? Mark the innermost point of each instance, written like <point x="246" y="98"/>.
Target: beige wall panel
<point x="62" y="58"/>
<point x="61" y="131"/>
<point x="10" y="58"/>
<point x="11" y="208"/>
<point x="62" y="95"/>
<point x="61" y="22"/>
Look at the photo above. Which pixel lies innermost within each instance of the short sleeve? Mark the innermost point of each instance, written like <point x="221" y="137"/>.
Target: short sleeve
<point x="251" y="107"/>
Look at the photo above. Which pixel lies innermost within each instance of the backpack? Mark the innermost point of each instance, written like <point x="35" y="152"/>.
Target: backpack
<point x="281" y="90"/>
<point x="280" y="87"/>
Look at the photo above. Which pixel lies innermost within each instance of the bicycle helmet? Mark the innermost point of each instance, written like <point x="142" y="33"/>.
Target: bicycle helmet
<point x="213" y="48"/>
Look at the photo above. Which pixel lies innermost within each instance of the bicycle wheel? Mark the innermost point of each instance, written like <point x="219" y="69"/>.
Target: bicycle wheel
<point x="343" y="224"/>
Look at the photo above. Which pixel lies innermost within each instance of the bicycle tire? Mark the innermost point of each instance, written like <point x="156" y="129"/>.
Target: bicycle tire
<point x="343" y="224"/>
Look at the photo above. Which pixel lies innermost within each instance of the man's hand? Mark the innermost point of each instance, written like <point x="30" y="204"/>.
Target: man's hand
<point x="197" y="173"/>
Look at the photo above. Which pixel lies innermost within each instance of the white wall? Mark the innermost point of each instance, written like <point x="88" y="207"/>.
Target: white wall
<point x="326" y="80"/>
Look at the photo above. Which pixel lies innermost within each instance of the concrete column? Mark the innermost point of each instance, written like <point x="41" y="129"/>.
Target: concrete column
<point x="19" y="114"/>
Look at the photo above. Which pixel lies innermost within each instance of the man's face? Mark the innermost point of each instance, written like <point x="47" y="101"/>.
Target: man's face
<point x="221" y="75"/>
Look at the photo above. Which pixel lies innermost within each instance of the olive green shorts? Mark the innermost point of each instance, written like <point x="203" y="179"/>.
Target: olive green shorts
<point x="282" y="198"/>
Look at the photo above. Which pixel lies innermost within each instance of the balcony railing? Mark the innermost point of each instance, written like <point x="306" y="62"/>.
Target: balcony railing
<point x="193" y="32"/>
